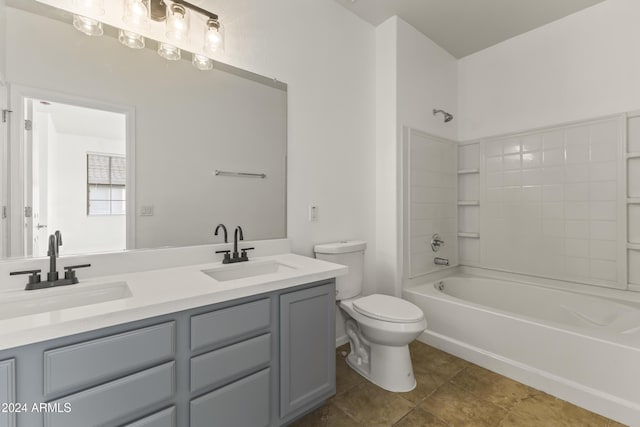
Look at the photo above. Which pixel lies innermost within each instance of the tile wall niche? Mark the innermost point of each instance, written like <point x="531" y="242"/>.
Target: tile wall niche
<point x="633" y="199"/>
<point x="552" y="203"/>
<point x="429" y="201"/>
<point x="469" y="203"/>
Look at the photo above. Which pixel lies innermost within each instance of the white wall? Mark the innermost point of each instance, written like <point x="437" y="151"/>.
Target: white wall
<point x="414" y="76"/>
<point x="387" y="220"/>
<point x="3" y="37"/>
<point x="67" y="198"/>
<point x="327" y="58"/>
<point x="580" y="67"/>
<point x="426" y="79"/>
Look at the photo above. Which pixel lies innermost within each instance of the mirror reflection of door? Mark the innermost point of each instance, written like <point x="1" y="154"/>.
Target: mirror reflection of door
<point x="75" y="177"/>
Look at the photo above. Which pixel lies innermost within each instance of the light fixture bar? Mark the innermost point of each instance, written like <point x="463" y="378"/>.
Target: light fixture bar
<point x="159" y="10"/>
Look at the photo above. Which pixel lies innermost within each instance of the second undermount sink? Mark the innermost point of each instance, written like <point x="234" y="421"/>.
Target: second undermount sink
<point x="53" y="299"/>
<point x="243" y="270"/>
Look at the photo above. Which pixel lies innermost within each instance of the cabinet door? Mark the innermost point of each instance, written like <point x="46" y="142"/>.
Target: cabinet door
<point x="307" y="348"/>
<point x="7" y="391"/>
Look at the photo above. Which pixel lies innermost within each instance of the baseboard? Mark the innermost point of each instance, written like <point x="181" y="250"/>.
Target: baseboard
<point x="596" y="401"/>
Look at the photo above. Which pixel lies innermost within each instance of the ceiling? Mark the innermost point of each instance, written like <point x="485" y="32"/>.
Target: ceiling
<point x="74" y="120"/>
<point x="463" y="27"/>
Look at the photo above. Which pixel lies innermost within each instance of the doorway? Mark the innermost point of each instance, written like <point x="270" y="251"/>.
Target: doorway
<point x="69" y="173"/>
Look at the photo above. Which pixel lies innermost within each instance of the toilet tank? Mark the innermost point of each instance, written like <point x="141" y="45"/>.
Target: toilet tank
<point x="351" y="254"/>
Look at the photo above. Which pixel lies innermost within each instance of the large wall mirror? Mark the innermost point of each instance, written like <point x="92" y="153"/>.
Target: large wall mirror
<point x="118" y="148"/>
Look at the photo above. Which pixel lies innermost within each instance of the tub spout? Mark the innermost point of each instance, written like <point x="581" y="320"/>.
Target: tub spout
<point x="440" y="261"/>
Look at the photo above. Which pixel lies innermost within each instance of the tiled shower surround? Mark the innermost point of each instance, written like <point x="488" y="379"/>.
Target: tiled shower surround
<point x="552" y="203"/>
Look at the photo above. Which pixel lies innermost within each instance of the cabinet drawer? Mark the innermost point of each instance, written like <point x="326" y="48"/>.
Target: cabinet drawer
<point x="166" y="418"/>
<point x="82" y="365"/>
<point x="223" y="365"/>
<point x="243" y="403"/>
<point x="7" y="390"/>
<point x="223" y="326"/>
<point x="117" y="399"/>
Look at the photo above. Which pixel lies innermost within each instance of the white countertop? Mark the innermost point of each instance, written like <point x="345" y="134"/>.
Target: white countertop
<point x="154" y="293"/>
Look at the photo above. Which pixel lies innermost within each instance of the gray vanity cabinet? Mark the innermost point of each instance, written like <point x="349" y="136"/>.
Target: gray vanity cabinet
<point x="307" y="348"/>
<point x="7" y="392"/>
<point x="260" y="361"/>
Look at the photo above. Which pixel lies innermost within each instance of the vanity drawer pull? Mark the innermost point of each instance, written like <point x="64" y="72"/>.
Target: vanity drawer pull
<point x="218" y="367"/>
<point x="85" y="364"/>
<point x="227" y="325"/>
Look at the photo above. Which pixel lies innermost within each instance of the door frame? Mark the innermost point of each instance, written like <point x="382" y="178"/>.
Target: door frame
<point x="17" y="153"/>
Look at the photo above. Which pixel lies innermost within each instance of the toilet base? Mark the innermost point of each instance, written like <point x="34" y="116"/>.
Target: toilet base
<point x="388" y="367"/>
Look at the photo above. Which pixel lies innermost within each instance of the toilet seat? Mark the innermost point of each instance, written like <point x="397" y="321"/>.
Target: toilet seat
<point x="388" y="309"/>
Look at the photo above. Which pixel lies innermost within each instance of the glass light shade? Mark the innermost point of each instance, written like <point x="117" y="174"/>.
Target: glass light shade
<point x="177" y="22"/>
<point x="136" y="13"/>
<point x="88" y="26"/>
<point x="169" y="52"/>
<point x="130" y="39"/>
<point x="201" y="62"/>
<point x="214" y="37"/>
<point x="90" y="7"/>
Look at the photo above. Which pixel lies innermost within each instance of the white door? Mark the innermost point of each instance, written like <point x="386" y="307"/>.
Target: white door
<point x="4" y="176"/>
<point x="39" y="183"/>
<point x="28" y="181"/>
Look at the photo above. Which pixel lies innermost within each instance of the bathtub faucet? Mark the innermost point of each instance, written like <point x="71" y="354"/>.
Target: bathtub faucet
<point x="440" y="261"/>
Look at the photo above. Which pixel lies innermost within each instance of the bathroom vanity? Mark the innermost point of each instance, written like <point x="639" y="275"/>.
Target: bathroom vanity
<point x="260" y="359"/>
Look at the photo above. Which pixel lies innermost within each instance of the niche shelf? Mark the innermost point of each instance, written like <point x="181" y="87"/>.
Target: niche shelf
<point x="469" y="235"/>
<point x="468" y="171"/>
<point x="633" y="156"/>
<point x="633" y="201"/>
<point x="468" y="202"/>
<point x="633" y="246"/>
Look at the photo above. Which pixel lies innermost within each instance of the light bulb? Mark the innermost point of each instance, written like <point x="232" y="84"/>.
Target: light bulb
<point x="201" y="62"/>
<point x="169" y="52"/>
<point x="177" y="22"/>
<point x="130" y="39"/>
<point x="136" y="13"/>
<point x="214" y="37"/>
<point x="88" y="26"/>
<point x="90" y="7"/>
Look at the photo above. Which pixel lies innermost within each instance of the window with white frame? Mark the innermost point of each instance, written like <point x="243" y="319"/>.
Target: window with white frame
<point x="106" y="185"/>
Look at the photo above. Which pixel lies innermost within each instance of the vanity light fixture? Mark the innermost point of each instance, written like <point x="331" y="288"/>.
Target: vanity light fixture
<point x="177" y="22"/>
<point x="201" y="62"/>
<point x="169" y="52"/>
<point x="131" y="39"/>
<point x="214" y="36"/>
<point x="90" y="7"/>
<point x="177" y="17"/>
<point x="135" y="14"/>
<point x="86" y="25"/>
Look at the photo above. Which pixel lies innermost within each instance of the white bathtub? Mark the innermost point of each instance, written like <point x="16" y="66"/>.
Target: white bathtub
<point x="581" y="348"/>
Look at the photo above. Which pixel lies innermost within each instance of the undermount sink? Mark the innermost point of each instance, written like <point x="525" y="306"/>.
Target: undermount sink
<point x="247" y="269"/>
<point x="53" y="299"/>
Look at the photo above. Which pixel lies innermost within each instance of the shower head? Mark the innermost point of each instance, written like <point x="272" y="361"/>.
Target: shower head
<point x="447" y="117"/>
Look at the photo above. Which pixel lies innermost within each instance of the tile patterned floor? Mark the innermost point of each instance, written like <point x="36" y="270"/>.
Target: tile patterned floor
<point x="450" y="393"/>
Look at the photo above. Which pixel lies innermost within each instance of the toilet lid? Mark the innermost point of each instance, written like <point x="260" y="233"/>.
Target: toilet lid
<point x="385" y="307"/>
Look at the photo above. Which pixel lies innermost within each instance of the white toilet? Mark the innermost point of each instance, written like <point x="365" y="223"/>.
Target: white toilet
<point x="379" y="327"/>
